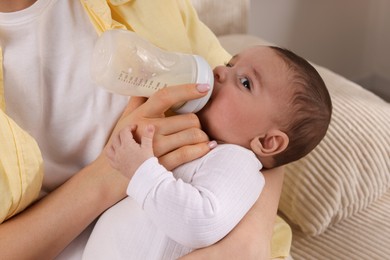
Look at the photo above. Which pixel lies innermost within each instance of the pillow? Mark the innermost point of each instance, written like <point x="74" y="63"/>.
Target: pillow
<point x="349" y="169"/>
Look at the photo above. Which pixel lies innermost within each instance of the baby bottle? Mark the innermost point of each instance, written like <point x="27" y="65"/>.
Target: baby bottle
<point x="124" y="63"/>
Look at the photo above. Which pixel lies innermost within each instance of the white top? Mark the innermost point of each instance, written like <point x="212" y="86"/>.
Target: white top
<point x="170" y="214"/>
<point x="48" y="91"/>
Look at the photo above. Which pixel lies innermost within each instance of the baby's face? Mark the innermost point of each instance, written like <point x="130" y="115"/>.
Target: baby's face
<point x="249" y="98"/>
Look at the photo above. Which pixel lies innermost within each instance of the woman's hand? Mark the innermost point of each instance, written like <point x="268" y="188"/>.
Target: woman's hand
<point x="178" y="139"/>
<point x="48" y="226"/>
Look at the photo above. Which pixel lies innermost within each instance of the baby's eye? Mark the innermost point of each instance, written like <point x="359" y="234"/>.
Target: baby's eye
<point x="246" y="83"/>
<point x="227" y="64"/>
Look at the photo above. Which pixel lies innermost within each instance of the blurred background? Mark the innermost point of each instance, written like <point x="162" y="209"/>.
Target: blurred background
<point x="350" y="37"/>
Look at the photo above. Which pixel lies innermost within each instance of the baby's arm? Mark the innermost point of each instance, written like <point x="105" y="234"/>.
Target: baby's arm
<point x="197" y="210"/>
<point x="196" y="213"/>
<point x="125" y="154"/>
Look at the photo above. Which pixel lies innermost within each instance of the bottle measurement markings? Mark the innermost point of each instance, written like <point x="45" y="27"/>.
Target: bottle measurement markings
<point x="137" y="82"/>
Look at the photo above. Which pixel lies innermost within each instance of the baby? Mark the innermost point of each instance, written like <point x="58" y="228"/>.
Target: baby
<point x="269" y="107"/>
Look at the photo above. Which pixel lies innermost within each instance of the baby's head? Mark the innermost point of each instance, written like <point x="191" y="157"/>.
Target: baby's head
<point x="271" y="101"/>
<point x="310" y="108"/>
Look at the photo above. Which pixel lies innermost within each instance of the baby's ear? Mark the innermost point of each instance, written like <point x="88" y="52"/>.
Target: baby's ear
<point x="274" y="142"/>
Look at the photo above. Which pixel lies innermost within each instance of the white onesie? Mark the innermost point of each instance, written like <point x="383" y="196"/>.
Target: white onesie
<point x="167" y="214"/>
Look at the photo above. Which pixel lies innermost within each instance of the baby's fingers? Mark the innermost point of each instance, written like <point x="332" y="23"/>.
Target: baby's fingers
<point x="147" y="138"/>
<point x="126" y="135"/>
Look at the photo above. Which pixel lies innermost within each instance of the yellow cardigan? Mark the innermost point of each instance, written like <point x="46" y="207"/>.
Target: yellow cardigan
<point x="172" y="25"/>
<point x="169" y="24"/>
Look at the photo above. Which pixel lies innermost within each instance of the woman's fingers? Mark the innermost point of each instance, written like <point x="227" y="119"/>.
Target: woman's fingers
<point x="155" y="107"/>
<point x="177" y="139"/>
<point x="164" y="144"/>
<point x="184" y="154"/>
<point x="176" y="123"/>
<point x="165" y="98"/>
<point x="133" y="104"/>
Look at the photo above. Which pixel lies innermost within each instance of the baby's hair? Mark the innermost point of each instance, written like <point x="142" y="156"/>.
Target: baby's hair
<point x="311" y="108"/>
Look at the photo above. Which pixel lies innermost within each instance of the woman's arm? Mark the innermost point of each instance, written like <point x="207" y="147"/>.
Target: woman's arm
<point x="47" y="227"/>
<point x="251" y="238"/>
<point x="44" y="229"/>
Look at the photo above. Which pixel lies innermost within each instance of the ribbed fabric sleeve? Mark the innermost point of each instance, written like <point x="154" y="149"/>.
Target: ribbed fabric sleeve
<point x="202" y="206"/>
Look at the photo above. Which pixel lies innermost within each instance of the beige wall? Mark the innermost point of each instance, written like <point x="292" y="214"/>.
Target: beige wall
<point x="351" y="37"/>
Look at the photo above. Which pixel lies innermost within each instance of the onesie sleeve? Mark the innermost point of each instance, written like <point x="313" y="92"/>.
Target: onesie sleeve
<point x="201" y="212"/>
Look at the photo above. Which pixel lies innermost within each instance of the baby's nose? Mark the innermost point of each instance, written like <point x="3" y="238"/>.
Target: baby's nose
<point x="220" y="73"/>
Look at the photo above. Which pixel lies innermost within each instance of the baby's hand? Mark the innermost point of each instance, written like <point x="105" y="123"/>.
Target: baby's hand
<point x="125" y="154"/>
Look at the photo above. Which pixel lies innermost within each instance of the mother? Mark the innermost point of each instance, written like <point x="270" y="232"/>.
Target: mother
<point x="46" y="45"/>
